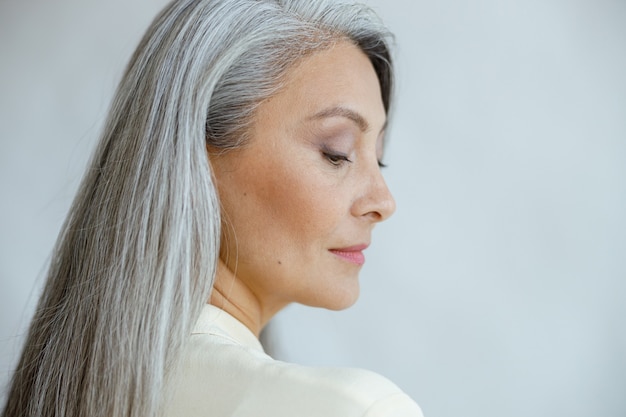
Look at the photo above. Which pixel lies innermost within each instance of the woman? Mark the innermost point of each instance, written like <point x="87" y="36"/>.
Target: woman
<point x="240" y="166"/>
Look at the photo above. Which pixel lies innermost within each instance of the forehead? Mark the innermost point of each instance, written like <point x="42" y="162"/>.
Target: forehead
<point x="340" y="78"/>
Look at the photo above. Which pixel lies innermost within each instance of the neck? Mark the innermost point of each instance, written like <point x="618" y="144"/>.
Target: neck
<point x="232" y="295"/>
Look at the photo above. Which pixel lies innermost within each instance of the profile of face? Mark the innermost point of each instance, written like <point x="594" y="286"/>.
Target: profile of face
<point x="300" y="199"/>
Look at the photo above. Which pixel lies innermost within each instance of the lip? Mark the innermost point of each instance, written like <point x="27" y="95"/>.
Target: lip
<point x="352" y="254"/>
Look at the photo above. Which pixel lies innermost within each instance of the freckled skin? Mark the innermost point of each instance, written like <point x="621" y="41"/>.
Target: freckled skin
<point x="286" y="202"/>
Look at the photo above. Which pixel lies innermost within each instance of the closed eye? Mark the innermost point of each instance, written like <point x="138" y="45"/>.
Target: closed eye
<point x="335" y="159"/>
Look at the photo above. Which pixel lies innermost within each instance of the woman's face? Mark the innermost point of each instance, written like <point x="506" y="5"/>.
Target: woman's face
<point x="300" y="200"/>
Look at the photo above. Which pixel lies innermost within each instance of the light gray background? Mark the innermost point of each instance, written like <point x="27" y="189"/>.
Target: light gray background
<point x="497" y="289"/>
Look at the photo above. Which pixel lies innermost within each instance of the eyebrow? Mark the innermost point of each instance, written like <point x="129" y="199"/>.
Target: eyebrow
<point x="359" y="120"/>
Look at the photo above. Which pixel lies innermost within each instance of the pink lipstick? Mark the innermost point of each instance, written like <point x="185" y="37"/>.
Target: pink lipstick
<point x="352" y="254"/>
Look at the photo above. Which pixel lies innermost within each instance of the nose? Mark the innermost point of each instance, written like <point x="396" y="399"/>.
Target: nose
<point x="376" y="202"/>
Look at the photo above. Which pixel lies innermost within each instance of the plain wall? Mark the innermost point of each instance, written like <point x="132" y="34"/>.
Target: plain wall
<point x="499" y="286"/>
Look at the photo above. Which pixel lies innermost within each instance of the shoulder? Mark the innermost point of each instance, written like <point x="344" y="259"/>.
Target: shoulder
<point x="222" y="378"/>
<point x="345" y="392"/>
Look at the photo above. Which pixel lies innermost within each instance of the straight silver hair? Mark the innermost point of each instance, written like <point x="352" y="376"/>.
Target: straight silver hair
<point x="136" y="257"/>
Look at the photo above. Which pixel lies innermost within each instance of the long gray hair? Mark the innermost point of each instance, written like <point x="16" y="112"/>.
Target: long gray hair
<point x="136" y="257"/>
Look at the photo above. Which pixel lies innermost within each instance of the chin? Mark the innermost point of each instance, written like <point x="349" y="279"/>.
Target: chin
<point x="336" y="299"/>
<point x="341" y="306"/>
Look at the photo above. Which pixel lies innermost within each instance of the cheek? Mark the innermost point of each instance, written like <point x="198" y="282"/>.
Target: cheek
<point x="295" y="205"/>
<point x="281" y="208"/>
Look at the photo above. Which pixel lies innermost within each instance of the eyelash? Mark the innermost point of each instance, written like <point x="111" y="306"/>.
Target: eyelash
<point x="337" y="159"/>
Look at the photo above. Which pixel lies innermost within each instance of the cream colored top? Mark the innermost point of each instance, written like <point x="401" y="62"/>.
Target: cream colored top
<point x="226" y="374"/>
